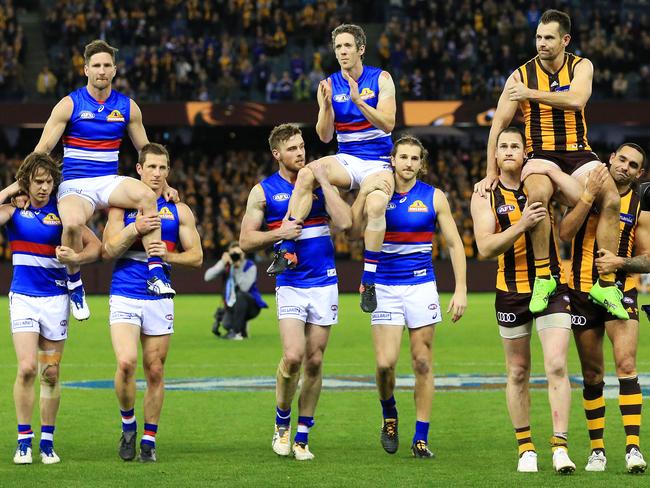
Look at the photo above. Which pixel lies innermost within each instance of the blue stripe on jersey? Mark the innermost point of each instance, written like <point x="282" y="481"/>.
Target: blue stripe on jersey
<point x="350" y="121"/>
<point x="406" y="251"/>
<point x="315" y="255"/>
<point x="101" y="123"/>
<point x="36" y="229"/>
<point x="131" y="271"/>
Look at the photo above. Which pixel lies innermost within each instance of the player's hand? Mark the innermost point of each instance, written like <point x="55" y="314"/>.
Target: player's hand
<point x="321" y="172"/>
<point x="20" y="201"/>
<point x="595" y="181"/>
<point x="325" y="92"/>
<point x="532" y="215"/>
<point x="290" y="229"/>
<point x="376" y="184"/>
<point x="487" y="184"/>
<point x="171" y="194"/>
<point x="144" y="225"/>
<point x="535" y="168"/>
<point x="608" y="262"/>
<point x="225" y="258"/>
<point x="66" y="255"/>
<point x="518" y="92"/>
<point x="354" y="88"/>
<point x="457" y="305"/>
<point x="157" y="249"/>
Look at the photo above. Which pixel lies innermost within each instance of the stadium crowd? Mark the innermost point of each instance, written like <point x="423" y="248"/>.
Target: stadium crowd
<point x="278" y="51"/>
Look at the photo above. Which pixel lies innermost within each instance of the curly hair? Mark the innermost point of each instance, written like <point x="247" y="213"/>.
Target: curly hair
<point x="32" y="163"/>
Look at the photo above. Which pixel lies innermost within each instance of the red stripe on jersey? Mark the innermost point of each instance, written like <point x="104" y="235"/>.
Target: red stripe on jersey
<point x="408" y="236"/>
<point x="315" y="221"/>
<point x="33" y="248"/>
<point x="91" y="144"/>
<point x="352" y="126"/>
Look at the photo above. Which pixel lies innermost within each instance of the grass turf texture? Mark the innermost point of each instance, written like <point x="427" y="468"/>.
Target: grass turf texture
<point x="217" y="438"/>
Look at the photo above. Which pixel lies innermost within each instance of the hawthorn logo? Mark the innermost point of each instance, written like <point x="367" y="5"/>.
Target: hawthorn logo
<point x="51" y="219"/>
<point x="418" y="206"/>
<point x="115" y="116"/>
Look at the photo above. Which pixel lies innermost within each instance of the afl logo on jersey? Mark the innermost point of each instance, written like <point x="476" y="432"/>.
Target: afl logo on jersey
<point x="281" y="197"/>
<point x="418" y="206"/>
<point x="28" y="214"/>
<point x="86" y="115"/>
<point x="51" y="219"/>
<point x="504" y="209"/>
<point x="341" y="98"/>
<point x="366" y="93"/>
<point x="391" y="206"/>
<point x="165" y="213"/>
<point x="627" y="218"/>
<point x="115" y="116"/>
<point x="132" y="215"/>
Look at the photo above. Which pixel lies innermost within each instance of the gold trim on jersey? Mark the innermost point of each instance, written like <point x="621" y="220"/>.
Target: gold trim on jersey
<point x="584" y="247"/>
<point x="548" y="128"/>
<point x="516" y="266"/>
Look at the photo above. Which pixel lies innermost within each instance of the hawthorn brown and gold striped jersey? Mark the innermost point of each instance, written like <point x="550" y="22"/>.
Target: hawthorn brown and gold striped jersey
<point x="516" y="266"/>
<point x="583" y="248"/>
<point x="548" y="128"/>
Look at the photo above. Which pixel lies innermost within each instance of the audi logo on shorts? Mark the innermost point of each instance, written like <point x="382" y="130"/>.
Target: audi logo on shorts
<point x="506" y="317"/>
<point x="578" y="320"/>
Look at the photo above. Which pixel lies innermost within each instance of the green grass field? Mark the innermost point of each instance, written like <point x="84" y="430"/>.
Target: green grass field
<point x="223" y="438"/>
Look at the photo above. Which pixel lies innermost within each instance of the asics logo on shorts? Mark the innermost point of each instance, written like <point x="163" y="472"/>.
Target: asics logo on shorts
<point x="506" y="317"/>
<point x="578" y="320"/>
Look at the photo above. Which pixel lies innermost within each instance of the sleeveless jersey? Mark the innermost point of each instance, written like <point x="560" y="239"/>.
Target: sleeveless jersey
<point x="33" y="236"/>
<point x="583" y="247"/>
<point x="314" y="246"/>
<point x="131" y="270"/>
<point x="91" y="141"/>
<point x="406" y="252"/>
<point x="548" y="128"/>
<point x="355" y="135"/>
<point x="516" y="266"/>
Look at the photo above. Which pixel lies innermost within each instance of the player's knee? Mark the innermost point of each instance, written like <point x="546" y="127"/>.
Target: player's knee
<point x="127" y="365"/>
<point x="313" y="365"/>
<point x="385" y="369"/>
<point x="539" y="188"/>
<point x="292" y="361"/>
<point x="555" y="367"/>
<point x="155" y="373"/>
<point x="50" y="375"/>
<point x="610" y="197"/>
<point x="592" y="374"/>
<point x="27" y="370"/>
<point x="518" y="373"/>
<point x="305" y="178"/>
<point x="145" y="197"/>
<point x="626" y="367"/>
<point x="376" y="204"/>
<point x="421" y="366"/>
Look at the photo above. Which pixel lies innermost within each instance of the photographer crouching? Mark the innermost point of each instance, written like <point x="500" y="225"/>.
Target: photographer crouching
<point x="242" y="300"/>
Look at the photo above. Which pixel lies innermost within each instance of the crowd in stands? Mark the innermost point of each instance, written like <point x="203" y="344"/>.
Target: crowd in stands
<point x="278" y="50"/>
<point x="12" y="53"/>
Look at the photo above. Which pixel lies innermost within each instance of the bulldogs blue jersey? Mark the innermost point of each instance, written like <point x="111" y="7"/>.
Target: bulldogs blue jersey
<point x="91" y="141"/>
<point x="355" y="135"/>
<point x="33" y="236"/>
<point x="131" y="270"/>
<point x="406" y="251"/>
<point x="314" y="246"/>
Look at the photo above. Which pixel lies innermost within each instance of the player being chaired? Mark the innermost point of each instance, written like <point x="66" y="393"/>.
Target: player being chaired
<point x="93" y="120"/>
<point x="407" y="295"/>
<point x="135" y="315"/>
<point x="307" y="295"/>
<point x="358" y="104"/>
<point x="39" y="305"/>
<point x="501" y="222"/>
<point x="552" y="90"/>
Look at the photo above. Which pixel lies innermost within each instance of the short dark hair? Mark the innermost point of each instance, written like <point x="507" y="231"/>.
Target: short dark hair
<point x="513" y="130"/>
<point x="98" y="46"/>
<point x="356" y="31"/>
<point x="32" y="163"/>
<point x="636" y="147"/>
<point x="411" y="140"/>
<point x="561" y="18"/>
<point x="152" y="148"/>
<point x="282" y="133"/>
